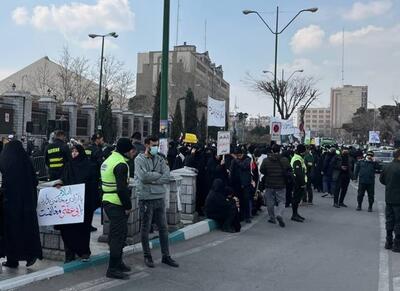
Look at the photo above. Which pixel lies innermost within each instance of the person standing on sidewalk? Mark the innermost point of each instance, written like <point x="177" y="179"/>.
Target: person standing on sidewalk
<point x="117" y="204"/>
<point x="300" y="177"/>
<point x="151" y="176"/>
<point x="365" y="171"/>
<point x="390" y="177"/>
<point x="275" y="168"/>
<point x="57" y="155"/>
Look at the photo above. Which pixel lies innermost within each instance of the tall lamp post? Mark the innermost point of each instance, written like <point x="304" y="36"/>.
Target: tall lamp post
<point x="114" y="35"/>
<point x="164" y="73"/>
<point x="277" y="33"/>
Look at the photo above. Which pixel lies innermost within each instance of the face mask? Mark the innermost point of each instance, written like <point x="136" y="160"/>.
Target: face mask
<point x="154" y="150"/>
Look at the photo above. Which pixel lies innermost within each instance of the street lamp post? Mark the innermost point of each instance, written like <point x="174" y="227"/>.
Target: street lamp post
<point x="112" y="34"/>
<point x="164" y="73"/>
<point x="277" y="33"/>
<point x="373" y="104"/>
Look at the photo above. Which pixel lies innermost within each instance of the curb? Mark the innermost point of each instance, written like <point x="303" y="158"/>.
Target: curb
<point x="180" y="235"/>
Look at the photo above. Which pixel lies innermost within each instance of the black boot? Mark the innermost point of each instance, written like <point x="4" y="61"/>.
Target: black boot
<point x="358" y="207"/>
<point x="124" y="268"/>
<point x="10" y="264"/>
<point x="169" y="261"/>
<point x="148" y="261"/>
<point x="116" y="274"/>
<point x="396" y="246"/>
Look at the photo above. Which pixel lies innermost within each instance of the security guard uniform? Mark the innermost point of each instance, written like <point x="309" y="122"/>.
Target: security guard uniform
<point x="56" y="155"/>
<point x="300" y="178"/>
<point x="116" y="200"/>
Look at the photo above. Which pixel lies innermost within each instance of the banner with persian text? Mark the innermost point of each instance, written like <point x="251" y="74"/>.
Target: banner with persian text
<point x="61" y="206"/>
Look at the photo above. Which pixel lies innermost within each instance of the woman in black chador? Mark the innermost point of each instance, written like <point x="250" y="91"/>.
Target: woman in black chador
<point x="76" y="236"/>
<point x="20" y="239"/>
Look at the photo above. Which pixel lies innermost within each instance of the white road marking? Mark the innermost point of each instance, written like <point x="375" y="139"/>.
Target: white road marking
<point x="104" y="283"/>
<point x="383" y="254"/>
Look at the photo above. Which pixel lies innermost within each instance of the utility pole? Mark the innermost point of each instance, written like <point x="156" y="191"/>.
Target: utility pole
<point x="164" y="73"/>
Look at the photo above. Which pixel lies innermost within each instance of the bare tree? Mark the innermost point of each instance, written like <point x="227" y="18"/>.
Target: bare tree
<point x="289" y="95"/>
<point x="42" y="80"/>
<point x="83" y="88"/>
<point x="65" y="74"/>
<point x="124" y="89"/>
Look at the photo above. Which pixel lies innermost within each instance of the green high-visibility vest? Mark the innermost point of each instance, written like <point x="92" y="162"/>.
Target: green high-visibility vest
<point x="108" y="181"/>
<point x="299" y="158"/>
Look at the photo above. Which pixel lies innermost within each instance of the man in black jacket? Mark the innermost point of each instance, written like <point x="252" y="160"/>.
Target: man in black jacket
<point x="390" y="177"/>
<point x="274" y="169"/>
<point x="300" y="177"/>
<point x="343" y="180"/>
<point x="56" y="156"/>
<point x="365" y="170"/>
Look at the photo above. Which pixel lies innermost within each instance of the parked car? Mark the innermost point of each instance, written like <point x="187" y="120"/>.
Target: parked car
<point x="383" y="157"/>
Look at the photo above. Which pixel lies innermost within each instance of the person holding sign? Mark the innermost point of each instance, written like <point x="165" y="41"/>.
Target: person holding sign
<point x="117" y="204"/>
<point x="20" y="239"/>
<point x="76" y="236"/>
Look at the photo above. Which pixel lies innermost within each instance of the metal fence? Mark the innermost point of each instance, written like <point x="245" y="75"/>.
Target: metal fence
<point x="39" y="166"/>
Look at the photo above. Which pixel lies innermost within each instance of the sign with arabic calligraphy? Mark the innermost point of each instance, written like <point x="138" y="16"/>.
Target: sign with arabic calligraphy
<point x="224" y="143"/>
<point x="216" y="112"/>
<point x="61" y="206"/>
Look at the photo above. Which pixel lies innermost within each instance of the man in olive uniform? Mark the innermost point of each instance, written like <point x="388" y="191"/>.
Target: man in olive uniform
<point x="56" y="155"/>
<point x="95" y="150"/>
<point x="300" y="179"/>
<point x="117" y="204"/>
<point x="95" y="154"/>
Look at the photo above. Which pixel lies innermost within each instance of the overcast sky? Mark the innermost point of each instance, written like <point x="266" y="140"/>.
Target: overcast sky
<point x="31" y="29"/>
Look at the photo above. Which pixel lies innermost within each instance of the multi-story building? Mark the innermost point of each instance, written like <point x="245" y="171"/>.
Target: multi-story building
<point x="317" y="120"/>
<point x="188" y="69"/>
<point x="254" y="121"/>
<point x="344" y="103"/>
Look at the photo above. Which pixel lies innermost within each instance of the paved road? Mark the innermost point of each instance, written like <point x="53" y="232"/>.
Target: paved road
<point x="335" y="249"/>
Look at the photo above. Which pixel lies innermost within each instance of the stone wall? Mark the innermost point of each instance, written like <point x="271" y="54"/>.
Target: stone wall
<point x="188" y="192"/>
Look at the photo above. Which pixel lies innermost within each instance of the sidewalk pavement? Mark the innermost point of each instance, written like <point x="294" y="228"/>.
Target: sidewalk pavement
<point x="46" y="269"/>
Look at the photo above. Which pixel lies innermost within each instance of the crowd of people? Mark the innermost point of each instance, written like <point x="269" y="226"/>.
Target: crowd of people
<point x="230" y="189"/>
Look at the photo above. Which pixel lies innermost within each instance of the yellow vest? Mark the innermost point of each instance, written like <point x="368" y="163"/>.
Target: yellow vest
<point x="299" y="158"/>
<point x="108" y="181"/>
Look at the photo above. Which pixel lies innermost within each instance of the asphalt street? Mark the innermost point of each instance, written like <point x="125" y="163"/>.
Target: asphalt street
<point x="335" y="249"/>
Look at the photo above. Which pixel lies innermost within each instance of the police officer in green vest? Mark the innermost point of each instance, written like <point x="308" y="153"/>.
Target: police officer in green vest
<point x="117" y="204"/>
<point x="300" y="179"/>
<point x="56" y="156"/>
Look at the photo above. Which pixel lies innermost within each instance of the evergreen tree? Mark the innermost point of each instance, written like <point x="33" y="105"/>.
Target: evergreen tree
<point x="156" y="108"/>
<point x="177" y="126"/>
<point x="106" y="120"/>
<point x="191" y="119"/>
<point x="203" y="129"/>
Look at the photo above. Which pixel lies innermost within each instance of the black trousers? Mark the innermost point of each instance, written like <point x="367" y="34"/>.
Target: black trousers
<point x="118" y="233"/>
<point x="392" y="215"/>
<point x="370" y="189"/>
<point x="154" y="210"/>
<point x="245" y="199"/>
<point x="298" y="195"/>
<point x="342" y="186"/>
<point x="308" y="195"/>
<point x="289" y="194"/>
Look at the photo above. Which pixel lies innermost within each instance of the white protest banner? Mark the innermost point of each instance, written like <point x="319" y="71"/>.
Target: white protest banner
<point x="216" y="112"/>
<point x="163" y="146"/>
<point x="287" y="127"/>
<point x="276" y="131"/>
<point x="61" y="206"/>
<point x="374" y="137"/>
<point x="223" y="143"/>
<point x="317" y="141"/>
